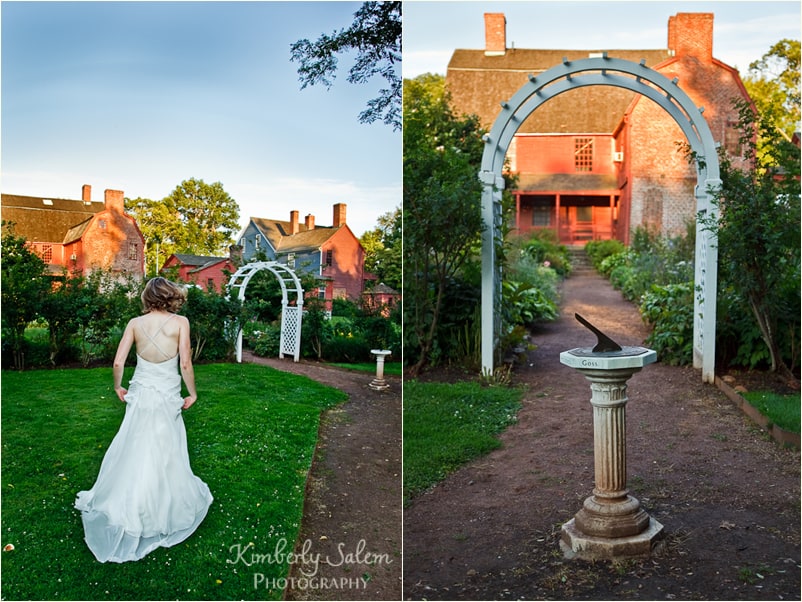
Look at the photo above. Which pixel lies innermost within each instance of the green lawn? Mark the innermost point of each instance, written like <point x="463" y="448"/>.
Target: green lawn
<point x="252" y="436"/>
<point x="449" y="424"/>
<point x="390" y="368"/>
<point x="782" y="410"/>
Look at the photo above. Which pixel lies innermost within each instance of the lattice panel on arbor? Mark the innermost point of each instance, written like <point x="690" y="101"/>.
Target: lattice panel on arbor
<point x="291" y="315"/>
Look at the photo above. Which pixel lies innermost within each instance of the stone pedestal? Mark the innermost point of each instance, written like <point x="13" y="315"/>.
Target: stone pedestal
<point x="611" y="523"/>
<point x="378" y="383"/>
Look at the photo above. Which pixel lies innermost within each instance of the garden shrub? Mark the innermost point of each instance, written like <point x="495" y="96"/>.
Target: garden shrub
<point x="461" y="303"/>
<point x="599" y="250"/>
<point x="530" y="289"/>
<point x="265" y="340"/>
<point x="214" y="323"/>
<point x="526" y="304"/>
<point x="545" y="249"/>
<point x="380" y="333"/>
<point x="658" y="274"/>
<point x="343" y="348"/>
<point x="35" y="348"/>
<point x="669" y="310"/>
<point x="620" y="275"/>
<point x="312" y="329"/>
<point x="610" y="262"/>
<point x="738" y="338"/>
<point x="345" y="308"/>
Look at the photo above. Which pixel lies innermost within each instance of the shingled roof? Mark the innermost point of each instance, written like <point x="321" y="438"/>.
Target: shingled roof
<point x="198" y="261"/>
<point x="479" y="83"/>
<point x="567" y="183"/>
<point x="40" y="219"/>
<point x="279" y="233"/>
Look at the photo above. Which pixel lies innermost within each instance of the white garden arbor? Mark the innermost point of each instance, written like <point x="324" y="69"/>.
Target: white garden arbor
<point x="604" y="71"/>
<point x="291" y="315"/>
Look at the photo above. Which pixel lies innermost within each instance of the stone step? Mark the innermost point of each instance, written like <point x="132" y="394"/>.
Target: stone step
<point x="580" y="262"/>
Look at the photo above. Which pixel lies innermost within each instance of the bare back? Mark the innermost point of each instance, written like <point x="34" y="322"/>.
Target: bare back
<point x="156" y="335"/>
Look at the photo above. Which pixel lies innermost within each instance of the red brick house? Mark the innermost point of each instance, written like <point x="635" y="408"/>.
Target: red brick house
<point x="597" y="162"/>
<point x="211" y="273"/>
<point x="79" y="236"/>
<point x="381" y="298"/>
<point x="333" y="254"/>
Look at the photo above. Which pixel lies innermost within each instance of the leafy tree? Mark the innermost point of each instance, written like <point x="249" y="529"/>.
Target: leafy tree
<point x="773" y="83"/>
<point x="442" y="205"/>
<point x="758" y="229"/>
<point x="156" y="223"/>
<point x="196" y="218"/>
<point x="24" y="283"/>
<point x="383" y="249"/>
<point x="376" y="35"/>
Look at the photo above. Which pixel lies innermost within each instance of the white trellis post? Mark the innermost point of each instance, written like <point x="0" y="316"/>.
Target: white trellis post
<point x="604" y="71"/>
<point x="291" y="315"/>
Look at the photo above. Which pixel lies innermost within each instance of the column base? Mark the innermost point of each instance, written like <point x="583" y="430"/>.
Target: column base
<point x="577" y="545"/>
<point x="618" y="517"/>
<point x="378" y="385"/>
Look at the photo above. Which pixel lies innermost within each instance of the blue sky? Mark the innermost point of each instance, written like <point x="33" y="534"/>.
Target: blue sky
<point x="743" y="31"/>
<point x="141" y="96"/>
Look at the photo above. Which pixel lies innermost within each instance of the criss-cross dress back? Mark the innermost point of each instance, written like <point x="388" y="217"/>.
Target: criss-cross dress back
<point x="146" y="495"/>
<point x="152" y="341"/>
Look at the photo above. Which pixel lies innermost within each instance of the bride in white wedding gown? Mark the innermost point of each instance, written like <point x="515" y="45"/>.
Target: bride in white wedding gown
<point x="146" y="495"/>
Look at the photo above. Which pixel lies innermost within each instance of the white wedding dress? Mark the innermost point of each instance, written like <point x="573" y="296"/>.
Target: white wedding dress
<point x="146" y="495"/>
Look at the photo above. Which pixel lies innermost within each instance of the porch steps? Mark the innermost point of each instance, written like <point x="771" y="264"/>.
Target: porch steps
<point x="580" y="262"/>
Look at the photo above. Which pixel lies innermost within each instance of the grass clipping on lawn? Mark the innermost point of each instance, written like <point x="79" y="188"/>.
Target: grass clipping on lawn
<point x="251" y="437"/>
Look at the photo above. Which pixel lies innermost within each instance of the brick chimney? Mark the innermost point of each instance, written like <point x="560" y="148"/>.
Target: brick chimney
<point x="309" y="220"/>
<point x="86" y="193"/>
<point x="115" y="200"/>
<point x="339" y="215"/>
<point x="691" y="34"/>
<point x="495" y="34"/>
<point x="293" y="222"/>
<point x="235" y="255"/>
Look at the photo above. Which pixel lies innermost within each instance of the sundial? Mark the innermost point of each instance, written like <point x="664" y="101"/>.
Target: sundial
<point x="606" y="354"/>
<point x="605" y="346"/>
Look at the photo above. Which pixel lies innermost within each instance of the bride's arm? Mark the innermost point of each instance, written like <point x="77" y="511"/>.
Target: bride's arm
<point x="185" y="357"/>
<point x="119" y="359"/>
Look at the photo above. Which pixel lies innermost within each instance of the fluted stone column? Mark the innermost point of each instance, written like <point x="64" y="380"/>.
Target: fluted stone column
<point x="378" y="383"/>
<point x="611" y="523"/>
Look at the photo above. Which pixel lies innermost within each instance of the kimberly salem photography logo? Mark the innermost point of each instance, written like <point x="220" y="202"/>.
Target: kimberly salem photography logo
<point x="309" y="564"/>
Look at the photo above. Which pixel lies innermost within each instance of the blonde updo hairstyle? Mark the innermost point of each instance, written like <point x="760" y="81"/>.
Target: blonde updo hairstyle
<point x="162" y="294"/>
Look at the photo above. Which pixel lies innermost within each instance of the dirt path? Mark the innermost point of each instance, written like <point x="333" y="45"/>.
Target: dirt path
<point x="352" y="515"/>
<point x="728" y="497"/>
